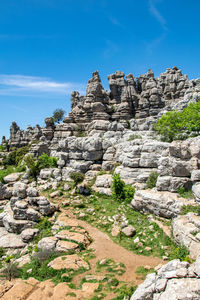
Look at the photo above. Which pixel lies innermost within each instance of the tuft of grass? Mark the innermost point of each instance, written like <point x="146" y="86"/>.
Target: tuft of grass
<point x="134" y="137"/>
<point x="190" y="208"/>
<point x="142" y="272"/>
<point x="188" y="194"/>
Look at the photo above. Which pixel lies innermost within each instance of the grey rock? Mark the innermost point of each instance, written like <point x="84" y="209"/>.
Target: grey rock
<point x="19" y="190"/>
<point x="12" y="177"/>
<point x="5" y="193"/>
<point x="162" y="204"/>
<point x="10" y="240"/>
<point x="129" y="231"/>
<point x="28" y="234"/>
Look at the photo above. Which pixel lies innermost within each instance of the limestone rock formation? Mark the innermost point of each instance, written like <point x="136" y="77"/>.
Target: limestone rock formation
<point x="175" y="280"/>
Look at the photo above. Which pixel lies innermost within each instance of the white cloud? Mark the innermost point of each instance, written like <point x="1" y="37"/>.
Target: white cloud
<point x="155" y="12"/>
<point x="20" y="85"/>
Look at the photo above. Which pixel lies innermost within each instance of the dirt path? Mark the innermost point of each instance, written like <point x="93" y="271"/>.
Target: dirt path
<point x="104" y="248"/>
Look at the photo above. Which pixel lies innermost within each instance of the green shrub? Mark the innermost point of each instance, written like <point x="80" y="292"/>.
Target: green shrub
<point x="15" y="157"/>
<point x="180" y="125"/>
<point x="45" y="161"/>
<point x="120" y="190"/>
<point x="10" y="269"/>
<point x="58" y="115"/>
<point x="129" y="192"/>
<point x="2" y="148"/>
<point x="33" y="166"/>
<point x="152" y="179"/>
<point x="77" y="177"/>
<point x="179" y="252"/>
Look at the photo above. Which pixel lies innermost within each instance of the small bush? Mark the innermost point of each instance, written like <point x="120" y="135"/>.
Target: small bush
<point x="77" y="177"/>
<point x="179" y="252"/>
<point x="45" y="161"/>
<point x="128" y="124"/>
<point x="10" y="269"/>
<point x="129" y="192"/>
<point x="120" y="190"/>
<point x="152" y="179"/>
<point x="33" y="166"/>
<point x="15" y="157"/>
<point x="58" y="115"/>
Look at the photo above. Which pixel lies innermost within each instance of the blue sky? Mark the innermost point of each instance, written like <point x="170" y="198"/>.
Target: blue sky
<point x="50" y="47"/>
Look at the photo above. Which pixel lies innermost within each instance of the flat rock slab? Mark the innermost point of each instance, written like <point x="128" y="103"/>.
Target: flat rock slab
<point x="10" y="240"/>
<point x="64" y="246"/>
<point x="12" y="177"/>
<point x="73" y="236"/>
<point x="65" y="221"/>
<point x="20" y="290"/>
<point x="68" y="262"/>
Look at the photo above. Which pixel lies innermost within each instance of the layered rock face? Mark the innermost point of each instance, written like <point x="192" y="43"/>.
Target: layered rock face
<point x="175" y="280"/>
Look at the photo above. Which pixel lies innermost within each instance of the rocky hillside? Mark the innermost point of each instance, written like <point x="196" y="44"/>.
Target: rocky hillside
<point x="106" y="166"/>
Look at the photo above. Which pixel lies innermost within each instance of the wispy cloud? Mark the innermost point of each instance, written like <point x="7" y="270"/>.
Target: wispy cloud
<point x="20" y="85"/>
<point x="115" y="22"/>
<point x="156" y="13"/>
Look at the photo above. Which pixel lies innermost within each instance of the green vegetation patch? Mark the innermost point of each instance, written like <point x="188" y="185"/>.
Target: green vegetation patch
<point x="190" y="208"/>
<point x="180" y="125"/>
<point x="152" y="180"/>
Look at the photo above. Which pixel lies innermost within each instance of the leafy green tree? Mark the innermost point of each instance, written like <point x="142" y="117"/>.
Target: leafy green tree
<point x="58" y="115"/>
